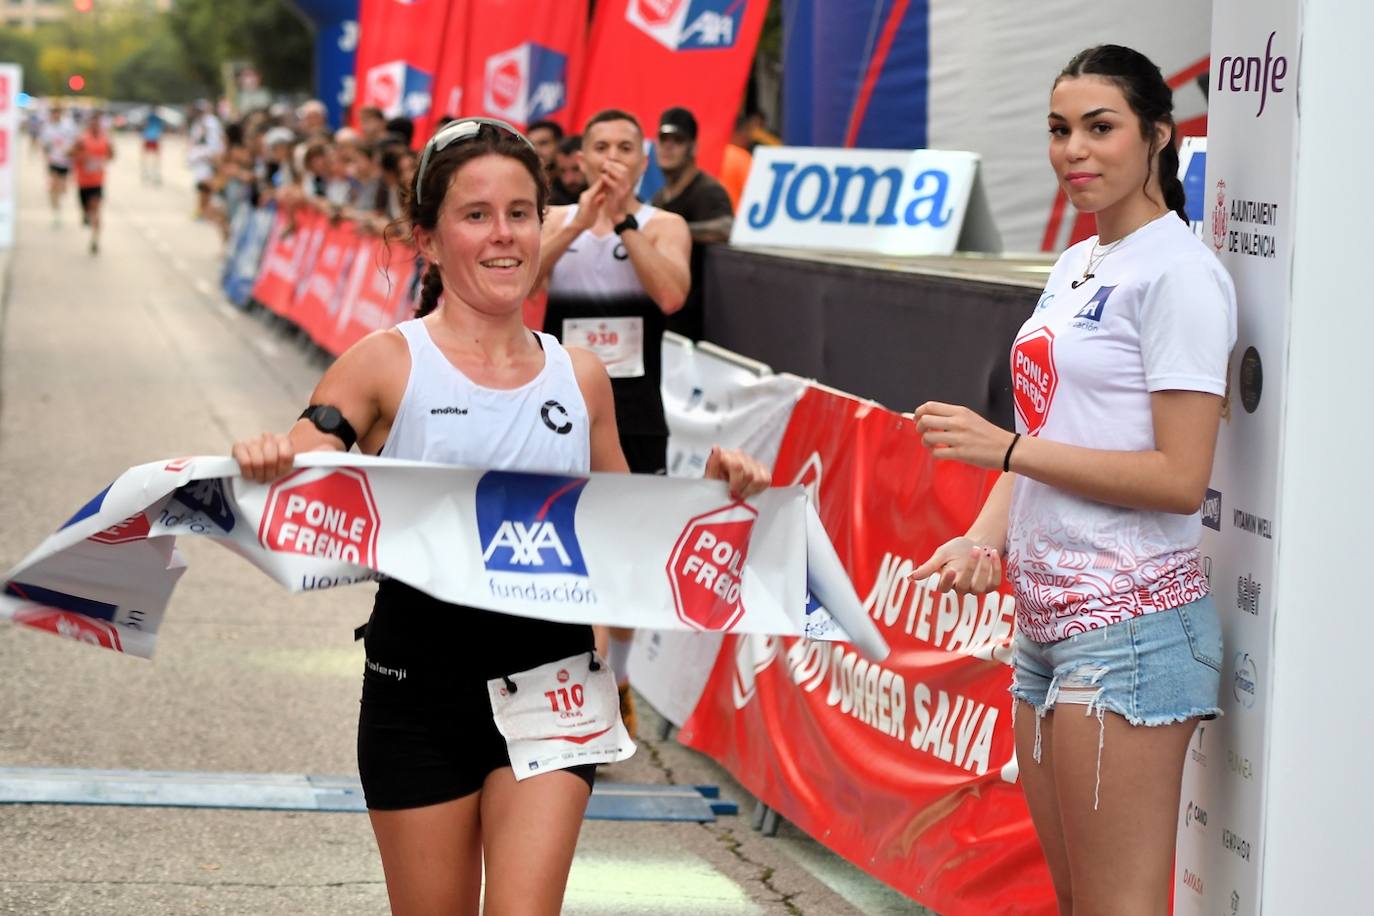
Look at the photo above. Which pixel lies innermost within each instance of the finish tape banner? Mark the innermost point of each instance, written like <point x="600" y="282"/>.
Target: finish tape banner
<point x="906" y="768"/>
<point x="619" y="549"/>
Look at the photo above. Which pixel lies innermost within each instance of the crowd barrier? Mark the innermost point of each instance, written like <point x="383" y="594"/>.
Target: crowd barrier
<point x="906" y="769"/>
<point x="334" y="281"/>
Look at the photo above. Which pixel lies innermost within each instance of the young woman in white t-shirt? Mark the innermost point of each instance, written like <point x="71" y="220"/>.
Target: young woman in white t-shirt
<point x="1119" y="382"/>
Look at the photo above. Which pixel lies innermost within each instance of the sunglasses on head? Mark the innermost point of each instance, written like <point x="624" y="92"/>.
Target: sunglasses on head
<point x="460" y="131"/>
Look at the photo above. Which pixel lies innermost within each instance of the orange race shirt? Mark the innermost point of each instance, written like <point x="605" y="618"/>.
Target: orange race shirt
<point x="88" y="160"/>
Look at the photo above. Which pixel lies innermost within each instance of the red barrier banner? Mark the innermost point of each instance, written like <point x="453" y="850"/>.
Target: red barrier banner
<point x="907" y="768"/>
<point x="275" y="285"/>
<point x="376" y="273"/>
<point x="524" y="60"/>
<point x="399" y="48"/>
<point x="653" y="54"/>
<point x="312" y="226"/>
<point x="316" y="309"/>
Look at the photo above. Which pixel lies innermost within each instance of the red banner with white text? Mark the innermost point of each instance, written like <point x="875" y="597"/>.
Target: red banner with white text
<point x="400" y="43"/>
<point x="654" y="54"/>
<point x="524" y="60"/>
<point x="907" y="768"/>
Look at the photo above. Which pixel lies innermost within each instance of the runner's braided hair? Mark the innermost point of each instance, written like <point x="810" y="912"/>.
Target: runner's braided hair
<point x="489" y="141"/>
<point x="1149" y="97"/>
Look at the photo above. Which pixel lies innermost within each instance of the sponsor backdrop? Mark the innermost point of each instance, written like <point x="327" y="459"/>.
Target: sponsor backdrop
<point x="653" y="54"/>
<point x="10" y="86"/>
<point x="523" y="60"/>
<point x="975" y="75"/>
<point x="400" y="43"/>
<point x="1247" y="219"/>
<point x="906" y="768"/>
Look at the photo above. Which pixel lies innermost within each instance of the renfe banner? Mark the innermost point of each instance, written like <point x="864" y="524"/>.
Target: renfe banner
<point x="399" y="47"/>
<point x="906" y="768"/>
<point x="879" y="201"/>
<point x="535" y="545"/>
<point x="654" y="54"/>
<point x="524" y="60"/>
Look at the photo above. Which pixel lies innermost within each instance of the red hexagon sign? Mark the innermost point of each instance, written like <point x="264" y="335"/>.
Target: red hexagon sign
<point x="320" y="512"/>
<point x="72" y="626"/>
<point x="133" y="528"/>
<point x="505" y="83"/>
<point x="707" y="564"/>
<point x="657" y="12"/>
<point x="1033" y="378"/>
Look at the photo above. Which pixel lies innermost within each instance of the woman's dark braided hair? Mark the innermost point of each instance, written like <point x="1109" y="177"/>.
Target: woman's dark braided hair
<point x="490" y="140"/>
<point x="1149" y="97"/>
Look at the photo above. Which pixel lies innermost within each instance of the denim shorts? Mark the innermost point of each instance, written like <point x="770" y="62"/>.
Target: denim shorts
<point x="1155" y="669"/>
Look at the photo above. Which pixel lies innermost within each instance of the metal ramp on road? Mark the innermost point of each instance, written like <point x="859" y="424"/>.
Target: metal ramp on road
<point x="295" y="792"/>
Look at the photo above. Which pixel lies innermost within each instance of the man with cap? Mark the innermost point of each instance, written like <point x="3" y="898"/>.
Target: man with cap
<point x="695" y="196"/>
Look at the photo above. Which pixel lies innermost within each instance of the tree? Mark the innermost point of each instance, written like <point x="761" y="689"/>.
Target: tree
<point x="265" y="32"/>
<point x="17" y="48"/>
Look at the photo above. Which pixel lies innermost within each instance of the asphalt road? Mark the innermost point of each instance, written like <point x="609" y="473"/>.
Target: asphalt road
<point x="130" y="355"/>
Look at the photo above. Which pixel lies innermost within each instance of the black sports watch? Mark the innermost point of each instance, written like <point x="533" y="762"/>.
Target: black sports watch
<point x="331" y="422"/>
<point x="626" y="224"/>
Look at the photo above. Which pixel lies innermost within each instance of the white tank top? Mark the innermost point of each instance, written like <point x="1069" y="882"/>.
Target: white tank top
<point x="447" y="418"/>
<point x="598" y="267"/>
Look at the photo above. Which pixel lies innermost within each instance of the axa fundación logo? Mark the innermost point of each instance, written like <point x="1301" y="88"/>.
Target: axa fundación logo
<point x="527" y="523"/>
<point x="555" y="417"/>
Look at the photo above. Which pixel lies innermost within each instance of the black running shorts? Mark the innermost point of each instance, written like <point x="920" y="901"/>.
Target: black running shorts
<point x="425" y="730"/>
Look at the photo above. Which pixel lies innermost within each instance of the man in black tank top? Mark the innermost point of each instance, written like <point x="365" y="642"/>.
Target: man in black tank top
<point x="614" y="269"/>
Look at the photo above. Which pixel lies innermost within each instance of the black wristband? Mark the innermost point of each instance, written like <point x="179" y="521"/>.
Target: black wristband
<point x="1006" y="459"/>
<point x="330" y="421"/>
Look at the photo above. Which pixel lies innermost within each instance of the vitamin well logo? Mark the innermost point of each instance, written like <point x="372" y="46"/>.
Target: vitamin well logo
<point x="526" y="523"/>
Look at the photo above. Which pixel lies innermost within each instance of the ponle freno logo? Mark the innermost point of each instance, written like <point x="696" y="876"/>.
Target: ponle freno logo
<point x="688" y="25"/>
<point x="322" y="512"/>
<point x="527" y="523"/>
<point x="525" y="83"/>
<point x="133" y="528"/>
<point x="1033" y="378"/>
<point x="706" y="568"/>
<point x="72" y="626"/>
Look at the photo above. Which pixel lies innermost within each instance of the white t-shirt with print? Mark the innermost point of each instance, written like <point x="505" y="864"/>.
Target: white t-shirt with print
<point x="57" y="138"/>
<point x="1159" y="314"/>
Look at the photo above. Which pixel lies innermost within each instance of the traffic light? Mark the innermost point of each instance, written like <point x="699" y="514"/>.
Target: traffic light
<point x="81" y="6"/>
<point x="76" y="82"/>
